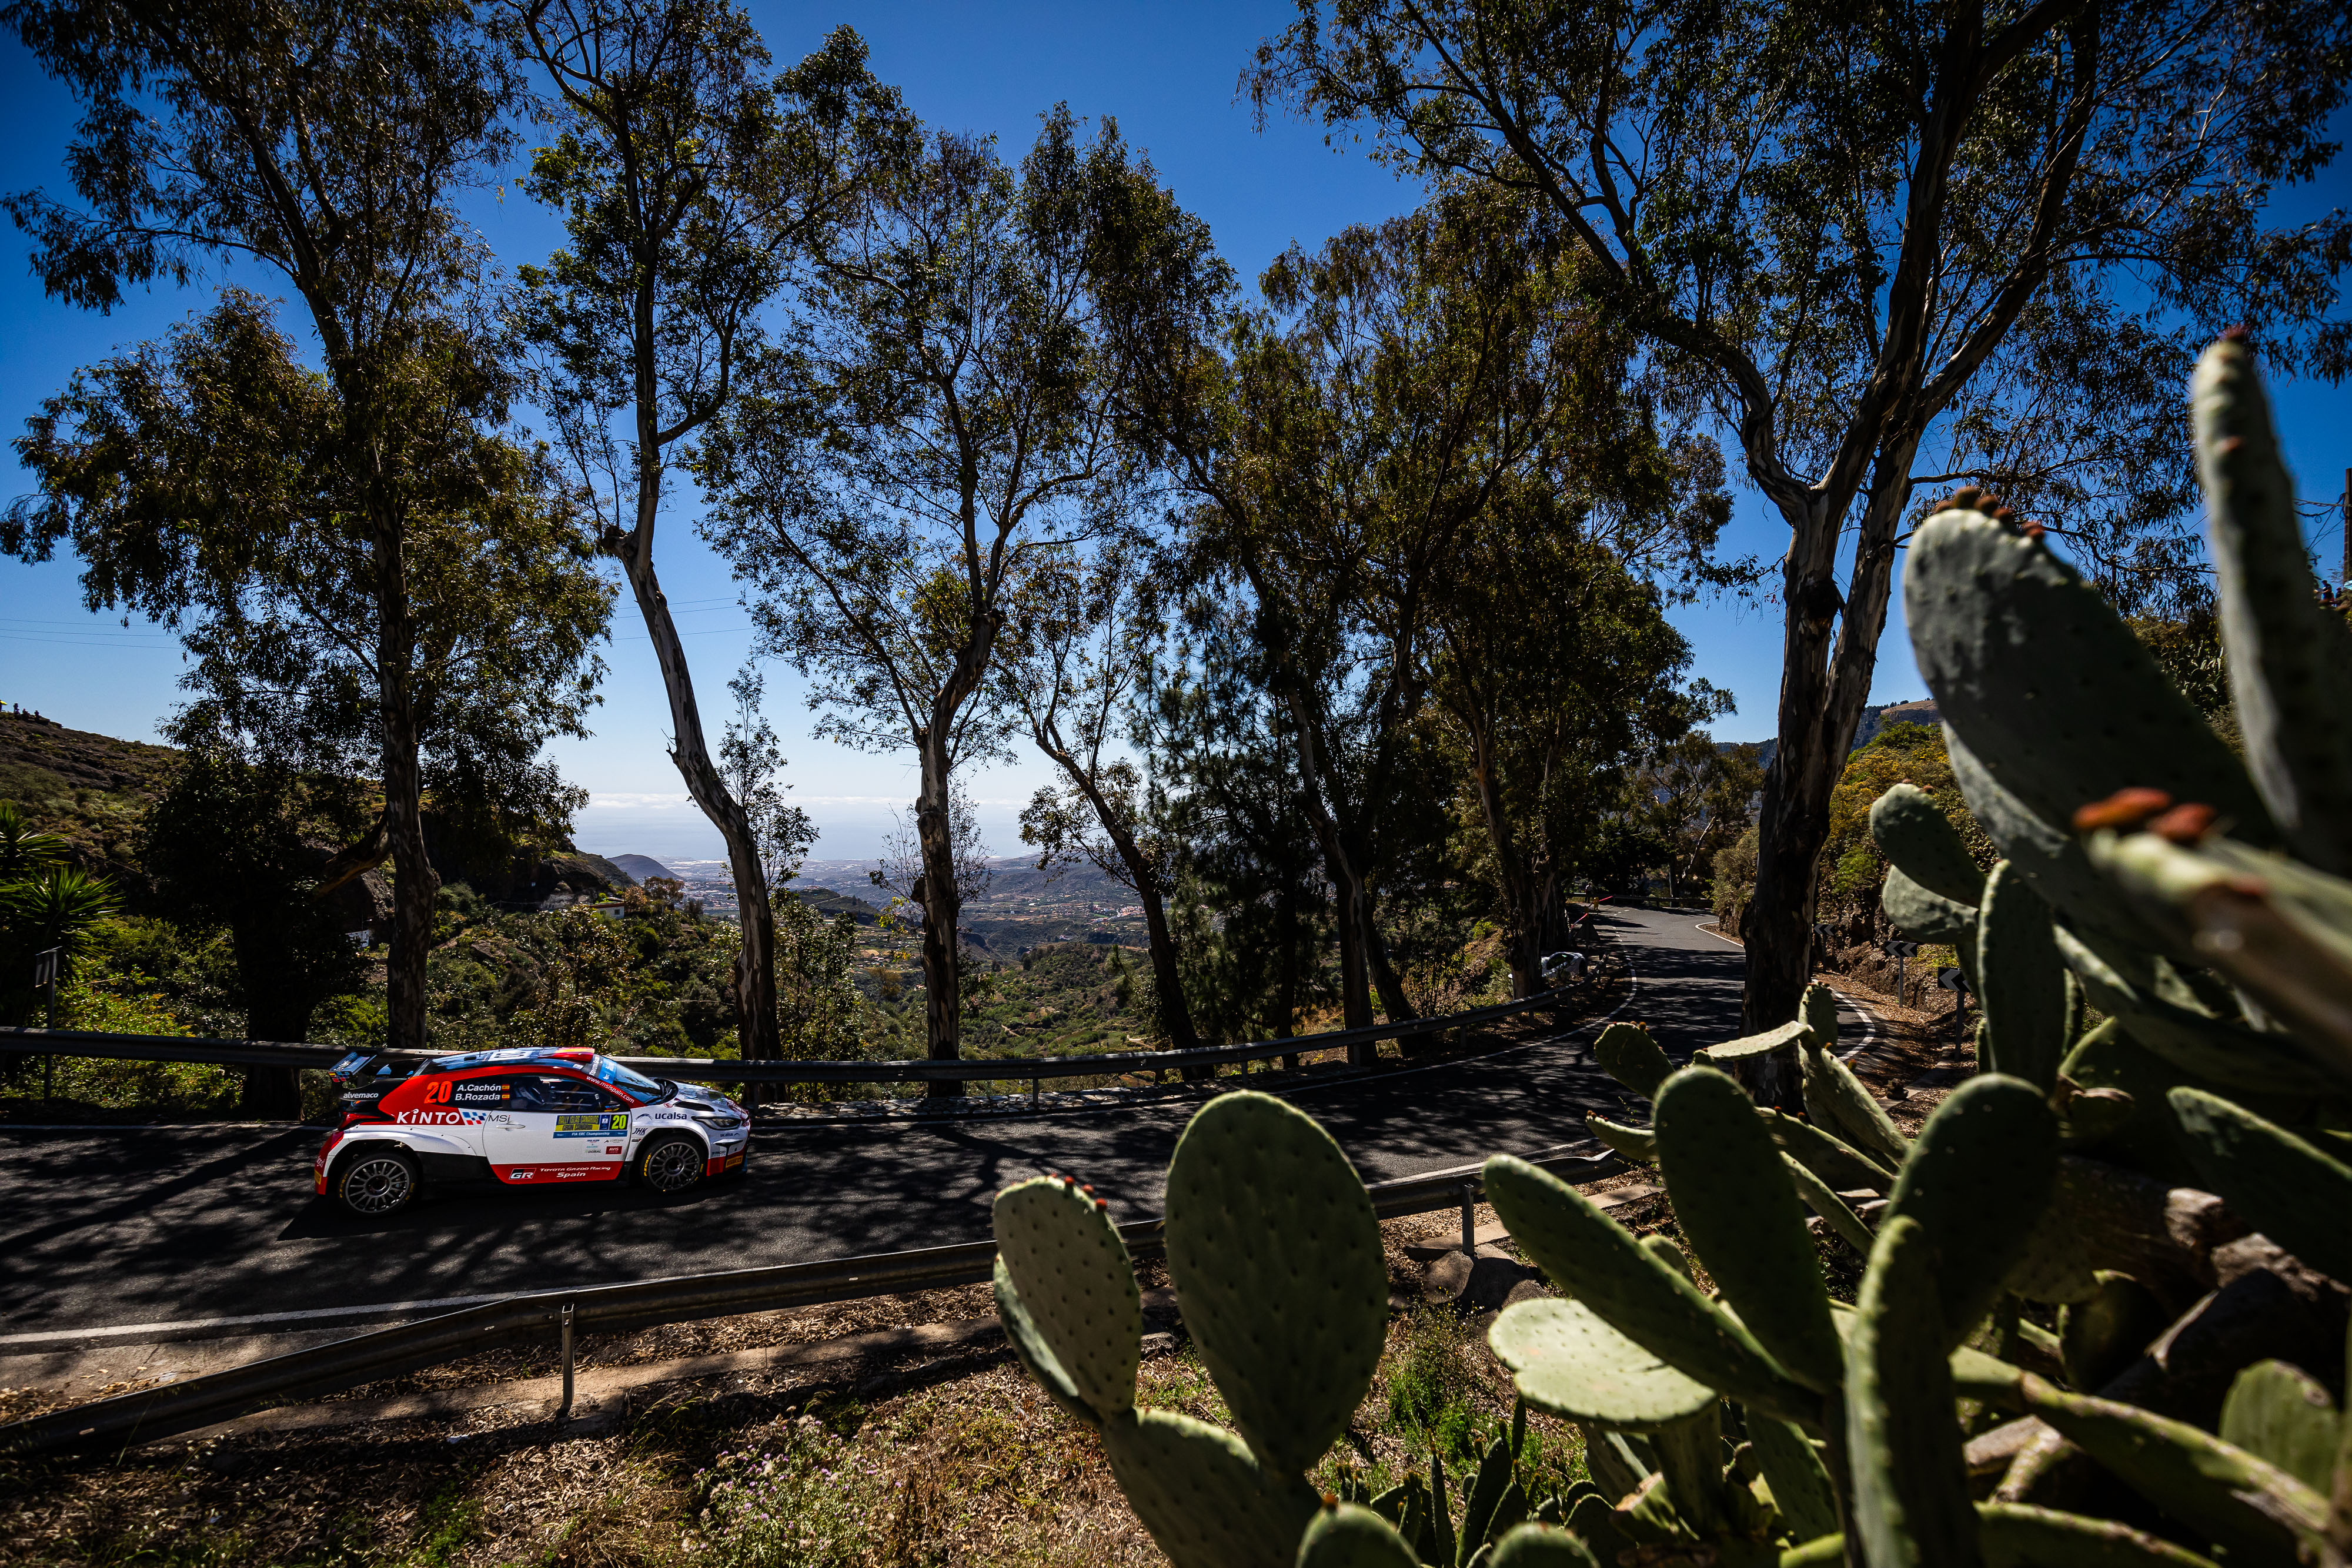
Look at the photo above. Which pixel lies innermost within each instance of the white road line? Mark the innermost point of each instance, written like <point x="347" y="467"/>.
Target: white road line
<point x="1869" y="1019"/>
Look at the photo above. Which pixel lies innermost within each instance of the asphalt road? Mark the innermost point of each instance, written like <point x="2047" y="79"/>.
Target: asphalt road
<point x="141" y="1226"/>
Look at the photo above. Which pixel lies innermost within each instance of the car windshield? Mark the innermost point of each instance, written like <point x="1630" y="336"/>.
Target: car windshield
<point x="636" y="1083"/>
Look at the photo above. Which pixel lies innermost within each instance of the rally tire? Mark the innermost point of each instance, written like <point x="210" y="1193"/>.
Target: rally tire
<point x="669" y="1162"/>
<point x="375" y="1180"/>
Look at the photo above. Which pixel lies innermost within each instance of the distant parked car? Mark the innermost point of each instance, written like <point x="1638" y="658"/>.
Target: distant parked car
<point x="1558" y="969"/>
<point x="523" y="1118"/>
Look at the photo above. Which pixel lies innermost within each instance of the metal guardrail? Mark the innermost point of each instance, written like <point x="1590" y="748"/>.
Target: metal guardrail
<point x="1031" y="1069"/>
<point x="150" y="1415"/>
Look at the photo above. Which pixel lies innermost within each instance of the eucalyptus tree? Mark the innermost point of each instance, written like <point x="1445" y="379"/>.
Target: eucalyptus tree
<point x="1556" y="671"/>
<point x="328" y="144"/>
<point x="1887" y="246"/>
<point x="945" y="423"/>
<point x="1345" y="441"/>
<point x="691" y="188"/>
<point x="200" y="481"/>
<point x="1079" y="681"/>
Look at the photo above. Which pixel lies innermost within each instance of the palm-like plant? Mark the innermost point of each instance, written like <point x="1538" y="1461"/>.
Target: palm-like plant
<point x="24" y="851"/>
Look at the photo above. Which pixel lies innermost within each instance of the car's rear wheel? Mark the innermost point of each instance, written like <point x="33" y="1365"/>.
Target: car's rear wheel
<point x="377" y="1181"/>
<point x="669" y="1162"/>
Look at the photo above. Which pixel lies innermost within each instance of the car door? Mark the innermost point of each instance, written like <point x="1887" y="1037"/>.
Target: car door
<point x="558" y="1128"/>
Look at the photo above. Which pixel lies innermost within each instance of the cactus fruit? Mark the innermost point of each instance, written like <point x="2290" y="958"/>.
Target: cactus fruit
<point x="2019" y="980"/>
<point x="1276" y="1258"/>
<point x="1911" y="1502"/>
<point x="1632" y="1058"/>
<point x="2296" y="1195"/>
<point x="2290" y="657"/>
<point x="1746" y="1221"/>
<point x="1912" y="832"/>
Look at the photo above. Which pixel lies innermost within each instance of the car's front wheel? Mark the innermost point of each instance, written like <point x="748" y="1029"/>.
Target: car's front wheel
<point x="669" y="1162"/>
<point x="377" y="1181"/>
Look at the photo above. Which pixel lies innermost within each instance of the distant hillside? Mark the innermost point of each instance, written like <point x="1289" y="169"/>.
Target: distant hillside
<point x="94" y="792"/>
<point x="1921" y="710"/>
<point x="643" y="867"/>
<point x="828" y="903"/>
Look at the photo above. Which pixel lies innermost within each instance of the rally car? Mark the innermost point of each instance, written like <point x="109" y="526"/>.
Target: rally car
<point x="525" y="1118"/>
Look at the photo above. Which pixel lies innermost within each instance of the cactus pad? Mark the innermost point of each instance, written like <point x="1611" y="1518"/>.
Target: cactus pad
<point x="2048" y="686"/>
<point x="1277" y="1258"/>
<point x="1203" y="1498"/>
<point x="1820" y="1009"/>
<point x="1755" y="1047"/>
<point x="2277" y="1412"/>
<point x="1840" y="1105"/>
<point x="1075" y="1289"/>
<point x="1629" y="1056"/>
<point x="2016" y="1532"/>
<point x="1911" y="830"/>
<point x="2257" y="1512"/>
<point x="1746" y="1221"/>
<point x="1635" y="1144"/>
<point x="2290" y="1191"/>
<point x="2290" y="657"/>
<point x="1800" y="1483"/>
<point x="2020" y="978"/>
<point x="1832" y="1158"/>
<point x="1925" y="916"/>
<point x="1979" y="1177"/>
<point x="1541" y="1546"/>
<point x="1823" y="1201"/>
<point x="2105" y="1332"/>
<point x="1567" y="1360"/>
<point x="1911" y="1503"/>
<point x="1600" y="1263"/>
<point x="1036" y="1352"/>
<point x="1352" y="1536"/>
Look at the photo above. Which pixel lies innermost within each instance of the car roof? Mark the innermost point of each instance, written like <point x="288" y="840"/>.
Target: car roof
<point x="578" y="1061"/>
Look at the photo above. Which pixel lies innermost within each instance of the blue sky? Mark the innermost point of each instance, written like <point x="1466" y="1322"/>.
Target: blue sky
<point x="1167" y="74"/>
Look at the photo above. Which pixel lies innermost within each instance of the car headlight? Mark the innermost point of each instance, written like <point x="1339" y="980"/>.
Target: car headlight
<point x="714" y="1119"/>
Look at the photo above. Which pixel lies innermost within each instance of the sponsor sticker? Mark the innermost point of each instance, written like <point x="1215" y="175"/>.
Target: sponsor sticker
<point x="550" y="1172"/>
<point x="592" y="1124"/>
<point x="484" y="1091"/>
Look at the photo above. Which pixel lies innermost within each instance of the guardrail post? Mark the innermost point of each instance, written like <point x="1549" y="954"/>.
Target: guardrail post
<point x="1470" y="1220"/>
<point x="1033" y="1094"/>
<point x="563" y="1411"/>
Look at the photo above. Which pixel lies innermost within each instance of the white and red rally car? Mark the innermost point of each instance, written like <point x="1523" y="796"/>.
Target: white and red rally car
<point x="526" y="1118"/>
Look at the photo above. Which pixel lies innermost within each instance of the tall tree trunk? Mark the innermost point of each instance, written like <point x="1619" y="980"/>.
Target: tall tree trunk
<point x="413" y="880"/>
<point x="1175" y="1019"/>
<point x="1381" y="968"/>
<point x="1524" y="949"/>
<point x="755" y="960"/>
<point x="1285" y="985"/>
<point x="1821" y="698"/>
<point x="943" y="905"/>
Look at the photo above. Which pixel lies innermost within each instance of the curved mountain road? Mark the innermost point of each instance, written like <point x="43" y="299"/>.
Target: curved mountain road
<point x="122" y="1227"/>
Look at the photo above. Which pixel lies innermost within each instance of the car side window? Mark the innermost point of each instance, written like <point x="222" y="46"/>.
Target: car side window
<point x="483" y="1092"/>
<point x="547" y="1092"/>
